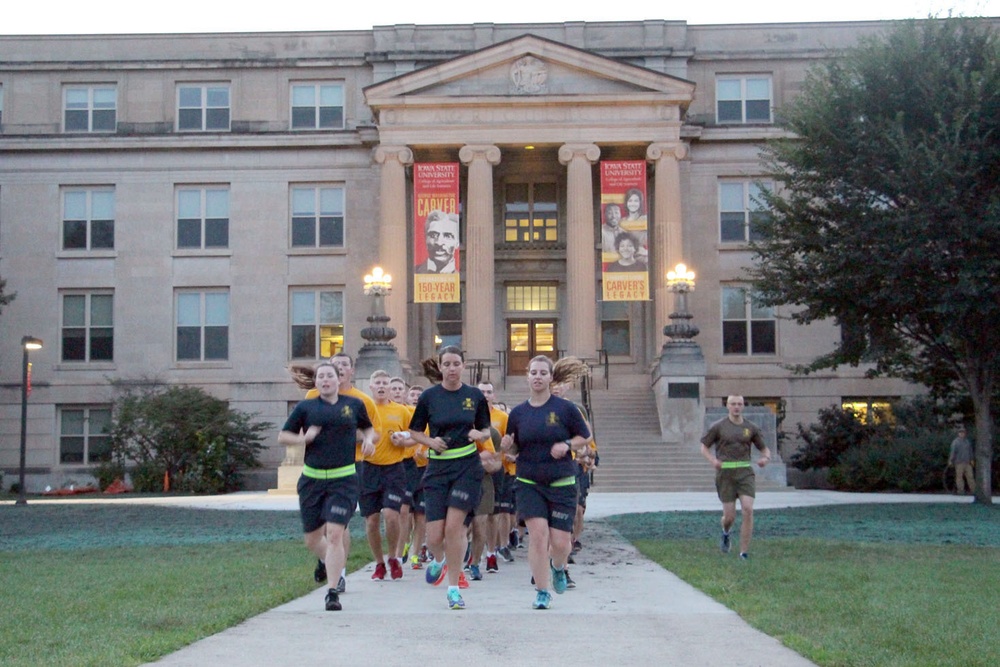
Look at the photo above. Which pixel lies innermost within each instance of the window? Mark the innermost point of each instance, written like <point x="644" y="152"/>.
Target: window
<point x="317" y="217"/>
<point x="88" y="219"/>
<point x="530" y="298"/>
<point x="202" y="217"/>
<point x="869" y="410"/>
<point x="747" y="328"/>
<point x="531" y="212"/>
<point x="616" y="331"/>
<point x="741" y="208"/>
<point x="90" y="108"/>
<point x="317" y="323"/>
<point x="83" y="434"/>
<point x="203" y="108"/>
<point x="88" y="327"/>
<point x="203" y="326"/>
<point x="743" y="99"/>
<point x="318" y="106"/>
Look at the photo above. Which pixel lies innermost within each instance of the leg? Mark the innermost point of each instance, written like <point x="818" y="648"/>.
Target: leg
<point x="392" y="532"/>
<point x="372" y="530"/>
<point x="336" y="556"/>
<point x="746" y="526"/>
<point x="435" y="539"/>
<point x="728" y="516"/>
<point x="455" y="542"/>
<point x="560" y="544"/>
<point x="316" y="542"/>
<point x="538" y="552"/>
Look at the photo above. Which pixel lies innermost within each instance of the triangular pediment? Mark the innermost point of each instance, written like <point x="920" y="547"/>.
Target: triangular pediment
<point x="528" y="67"/>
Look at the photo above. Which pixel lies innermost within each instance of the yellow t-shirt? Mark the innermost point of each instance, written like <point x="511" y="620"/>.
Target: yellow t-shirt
<point x="394" y="417"/>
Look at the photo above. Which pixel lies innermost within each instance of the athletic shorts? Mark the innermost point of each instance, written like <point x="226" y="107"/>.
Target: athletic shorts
<point x="323" y="501"/>
<point x="507" y="496"/>
<point x="499" y="481"/>
<point x="452" y="483"/>
<point x="413" y="477"/>
<point x="382" y="487"/>
<point x="583" y="488"/>
<point x="731" y="483"/>
<point x="556" y="504"/>
<point x="487" y="497"/>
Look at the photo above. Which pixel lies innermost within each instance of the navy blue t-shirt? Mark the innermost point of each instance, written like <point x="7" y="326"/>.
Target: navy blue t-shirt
<point x="334" y="446"/>
<point x="451" y="414"/>
<point x="535" y="430"/>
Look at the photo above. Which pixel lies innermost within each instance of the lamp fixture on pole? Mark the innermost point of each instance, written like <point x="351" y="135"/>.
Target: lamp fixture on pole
<point x="378" y="352"/>
<point x="680" y="281"/>
<point x="28" y="343"/>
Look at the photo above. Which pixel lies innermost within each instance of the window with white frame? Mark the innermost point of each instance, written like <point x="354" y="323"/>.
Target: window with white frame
<point x="90" y="108"/>
<point x="317" y="323"/>
<point x="531" y="213"/>
<point x="88" y="219"/>
<point x="317" y="106"/>
<point x="741" y="205"/>
<point x="88" y="327"/>
<point x="747" y="327"/>
<point x="203" y="325"/>
<point x="84" y="434"/>
<point x="202" y="217"/>
<point x="743" y="99"/>
<point x="203" y="107"/>
<point x="317" y="216"/>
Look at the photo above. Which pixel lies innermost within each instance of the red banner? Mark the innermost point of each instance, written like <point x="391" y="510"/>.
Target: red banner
<point x="624" y="231"/>
<point x="435" y="233"/>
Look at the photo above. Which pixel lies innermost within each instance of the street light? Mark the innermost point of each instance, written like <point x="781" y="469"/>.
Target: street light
<point x="680" y="281"/>
<point x="378" y="352"/>
<point x="28" y="343"/>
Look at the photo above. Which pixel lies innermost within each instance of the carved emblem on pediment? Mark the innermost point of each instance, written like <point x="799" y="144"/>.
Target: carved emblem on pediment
<point x="529" y="74"/>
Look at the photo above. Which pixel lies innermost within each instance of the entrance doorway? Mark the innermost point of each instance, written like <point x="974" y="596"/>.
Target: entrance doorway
<point x="527" y="339"/>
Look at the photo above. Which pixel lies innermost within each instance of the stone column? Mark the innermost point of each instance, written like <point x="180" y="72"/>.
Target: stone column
<point x="392" y="234"/>
<point x="667" y="222"/>
<point x="479" y="316"/>
<point x="580" y="328"/>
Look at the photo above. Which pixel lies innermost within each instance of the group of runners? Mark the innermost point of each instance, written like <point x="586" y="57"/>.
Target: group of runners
<point x="453" y="476"/>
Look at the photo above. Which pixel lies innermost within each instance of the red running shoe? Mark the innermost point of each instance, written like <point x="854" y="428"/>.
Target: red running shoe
<point x="379" y="573"/>
<point x="395" y="569"/>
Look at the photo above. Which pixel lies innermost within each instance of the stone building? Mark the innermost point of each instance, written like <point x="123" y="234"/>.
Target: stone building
<point x="201" y="208"/>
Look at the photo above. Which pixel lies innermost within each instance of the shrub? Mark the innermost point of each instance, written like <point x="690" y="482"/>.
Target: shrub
<point x="838" y="431"/>
<point x="906" y="463"/>
<point x="185" y="432"/>
<point x="107" y="472"/>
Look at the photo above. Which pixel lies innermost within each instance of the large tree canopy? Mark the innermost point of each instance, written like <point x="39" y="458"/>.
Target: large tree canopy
<point x="886" y="217"/>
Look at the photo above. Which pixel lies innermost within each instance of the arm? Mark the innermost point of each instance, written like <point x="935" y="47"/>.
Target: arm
<point x="710" y="457"/>
<point x="301" y="438"/>
<point x="368" y="441"/>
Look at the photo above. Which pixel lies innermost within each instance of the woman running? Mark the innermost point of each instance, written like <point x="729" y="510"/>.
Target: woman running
<point x="544" y="431"/>
<point x="457" y="417"/>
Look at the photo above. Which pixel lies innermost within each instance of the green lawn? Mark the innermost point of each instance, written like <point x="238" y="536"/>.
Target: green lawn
<point x="879" y="585"/>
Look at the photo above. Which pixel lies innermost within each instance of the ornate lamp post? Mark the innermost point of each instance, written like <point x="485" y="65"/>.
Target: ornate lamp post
<point x="378" y="352"/>
<point x="680" y="281"/>
<point x="28" y="343"/>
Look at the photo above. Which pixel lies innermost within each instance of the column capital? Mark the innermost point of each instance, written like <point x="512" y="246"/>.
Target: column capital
<point x="674" y="149"/>
<point x="488" y="152"/>
<point x="402" y="154"/>
<point x="590" y="152"/>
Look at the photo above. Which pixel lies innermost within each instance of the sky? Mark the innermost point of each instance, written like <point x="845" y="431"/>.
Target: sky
<point x="61" y="17"/>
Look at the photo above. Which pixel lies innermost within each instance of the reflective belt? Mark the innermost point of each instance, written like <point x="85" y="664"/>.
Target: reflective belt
<point x="565" y="481"/>
<point x="329" y="473"/>
<point x="735" y="464"/>
<point x="453" y="453"/>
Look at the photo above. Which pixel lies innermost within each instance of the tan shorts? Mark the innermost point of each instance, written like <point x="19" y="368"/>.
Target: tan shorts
<point x="731" y="483"/>
<point x="486" y="497"/>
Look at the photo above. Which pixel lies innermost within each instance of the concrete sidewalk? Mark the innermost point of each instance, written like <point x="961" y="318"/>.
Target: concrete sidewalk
<point x="626" y="610"/>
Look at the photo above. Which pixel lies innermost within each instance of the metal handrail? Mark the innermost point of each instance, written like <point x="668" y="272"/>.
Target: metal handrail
<point x="602" y="358"/>
<point x="502" y="362"/>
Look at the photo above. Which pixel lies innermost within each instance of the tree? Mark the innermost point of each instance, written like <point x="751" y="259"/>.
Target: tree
<point x="886" y="218"/>
<point x="5" y="298"/>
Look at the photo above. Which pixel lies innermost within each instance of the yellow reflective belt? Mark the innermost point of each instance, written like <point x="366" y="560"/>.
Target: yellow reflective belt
<point x="735" y="464"/>
<point x="329" y="473"/>
<point x="565" y="481"/>
<point x="453" y="453"/>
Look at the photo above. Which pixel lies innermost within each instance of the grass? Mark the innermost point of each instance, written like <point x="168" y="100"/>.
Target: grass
<point x="126" y="584"/>
<point x="850" y="586"/>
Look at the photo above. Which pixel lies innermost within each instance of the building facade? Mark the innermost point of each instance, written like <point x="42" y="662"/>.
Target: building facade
<point x="201" y="209"/>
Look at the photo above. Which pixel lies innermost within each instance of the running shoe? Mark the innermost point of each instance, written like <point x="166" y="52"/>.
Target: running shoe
<point x="455" y="600"/>
<point x="406" y="551"/>
<point x="424" y="558"/>
<point x="333" y="601"/>
<point x="415" y="563"/>
<point x="724" y="543"/>
<point x="570" y="560"/>
<point x="395" y="569"/>
<point x="379" y="573"/>
<point x="569" y="580"/>
<point x="491" y="564"/>
<point x="577" y="545"/>
<point x="319" y="574"/>
<point x="505" y="553"/>
<point x="462" y="581"/>
<point x="543" y="600"/>
<point x="512" y="540"/>
<point x="435" y="573"/>
<point x="744" y="555"/>
<point x="474" y="573"/>
<point x="558" y="580"/>
<point x="341" y="586"/>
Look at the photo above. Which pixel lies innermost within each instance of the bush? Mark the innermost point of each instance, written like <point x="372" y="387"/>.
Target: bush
<point x="185" y="432"/>
<point x="907" y="463"/>
<point x="838" y="431"/>
<point x="108" y="472"/>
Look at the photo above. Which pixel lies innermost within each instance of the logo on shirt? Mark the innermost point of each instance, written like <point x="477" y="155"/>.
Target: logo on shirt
<point x="552" y="419"/>
<point x="467" y="404"/>
<point x="746" y="433"/>
<point x="347" y="412"/>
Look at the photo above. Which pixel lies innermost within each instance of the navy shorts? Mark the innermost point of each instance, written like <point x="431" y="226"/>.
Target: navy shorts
<point x="414" y="475"/>
<point x="452" y="483"/>
<point x="382" y="487"/>
<point x="556" y="504"/>
<point x="323" y="501"/>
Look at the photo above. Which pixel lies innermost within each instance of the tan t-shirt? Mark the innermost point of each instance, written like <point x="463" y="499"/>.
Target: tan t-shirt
<point x="732" y="441"/>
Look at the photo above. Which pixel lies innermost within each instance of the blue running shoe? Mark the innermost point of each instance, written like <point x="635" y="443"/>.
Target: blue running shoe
<point x="435" y="573"/>
<point x="559" y="583"/>
<point x="474" y="573"/>
<point x="455" y="600"/>
<point x="724" y="543"/>
<point x="543" y="600"/>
